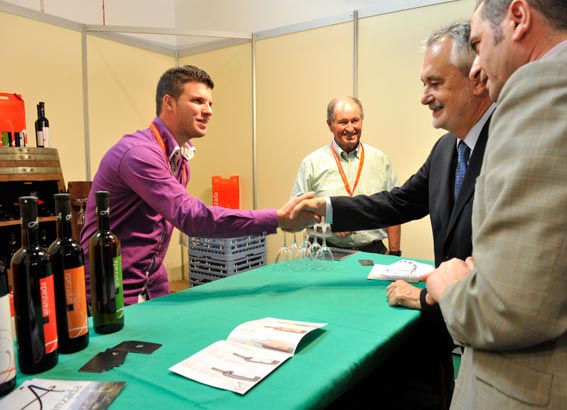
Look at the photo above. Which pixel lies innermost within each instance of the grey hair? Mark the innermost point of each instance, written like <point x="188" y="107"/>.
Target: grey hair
<point x="333" y="103"/>
<point x="555" y="11"/>
<point x="462" y="55"/>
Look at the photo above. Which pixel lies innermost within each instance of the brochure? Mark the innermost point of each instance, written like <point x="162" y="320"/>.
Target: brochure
<point x="403" y="269"/>
<point x="49" y="394"/>
<point x="252" y="351"/>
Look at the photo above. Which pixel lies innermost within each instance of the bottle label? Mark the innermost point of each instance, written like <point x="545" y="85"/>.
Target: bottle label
<point x="47" y="293"/>
<point x="7" y="358"/>
<point x="76" y="301"/>
<point x="39" y="138"/>
<point x="117" y="268"/>
<point x="46" y="137"/>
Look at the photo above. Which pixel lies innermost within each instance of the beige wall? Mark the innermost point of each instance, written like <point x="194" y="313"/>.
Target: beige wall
<point x="121" y="86"/>
<point x="42" y="62"/>
<point x="296" y="75"/>
<point x="390" y="61"/>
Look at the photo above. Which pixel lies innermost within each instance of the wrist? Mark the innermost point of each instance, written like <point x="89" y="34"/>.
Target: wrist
<point x="426" y="301"/>
<point x="395" y="253"/>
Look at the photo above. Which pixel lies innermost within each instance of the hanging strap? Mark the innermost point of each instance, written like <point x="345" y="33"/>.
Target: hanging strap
<point x="342" y="172"/>
<point x="161" y="142"/>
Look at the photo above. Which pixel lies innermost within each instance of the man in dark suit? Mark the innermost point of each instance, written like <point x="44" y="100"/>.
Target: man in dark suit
<point x="463" y="107"/>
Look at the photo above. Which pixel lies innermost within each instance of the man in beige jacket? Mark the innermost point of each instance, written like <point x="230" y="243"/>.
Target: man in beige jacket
<point x="507" y="304"/>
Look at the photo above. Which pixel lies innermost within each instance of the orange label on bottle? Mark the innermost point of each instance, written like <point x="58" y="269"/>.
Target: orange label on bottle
<point x="47" y="293"/>
<point x="76" y="301"/>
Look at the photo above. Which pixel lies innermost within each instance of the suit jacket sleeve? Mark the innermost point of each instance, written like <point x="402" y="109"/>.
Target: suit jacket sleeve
<point x="386" y="208"/>
<point x="516" y="295"/>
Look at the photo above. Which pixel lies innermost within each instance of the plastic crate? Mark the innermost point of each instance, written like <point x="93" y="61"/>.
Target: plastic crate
<point x="213" y="258"/>
<point x="227" y="249"/>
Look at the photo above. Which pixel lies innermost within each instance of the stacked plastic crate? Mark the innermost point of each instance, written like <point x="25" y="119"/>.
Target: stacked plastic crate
<point x="216" y="258"/>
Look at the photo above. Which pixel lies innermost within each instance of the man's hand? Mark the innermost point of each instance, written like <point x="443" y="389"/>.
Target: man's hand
<point x="447" y="273"/>
<point x="296" y="222"/>
<point x="311" y="205"/>
<point x="401" y="293"/>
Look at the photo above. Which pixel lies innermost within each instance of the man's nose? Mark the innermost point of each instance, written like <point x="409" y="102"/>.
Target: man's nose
<point x="426" y="96"/>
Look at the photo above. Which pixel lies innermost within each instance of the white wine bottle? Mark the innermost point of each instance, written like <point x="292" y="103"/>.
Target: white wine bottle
<point x="7" y="356"/>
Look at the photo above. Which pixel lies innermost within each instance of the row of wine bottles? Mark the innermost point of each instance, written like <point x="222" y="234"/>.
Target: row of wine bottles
<point x="49" y="291"/>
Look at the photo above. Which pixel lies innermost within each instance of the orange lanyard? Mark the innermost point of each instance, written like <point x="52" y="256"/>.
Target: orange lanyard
<point x="342" y="172"/>
<point x="161" y="142"/>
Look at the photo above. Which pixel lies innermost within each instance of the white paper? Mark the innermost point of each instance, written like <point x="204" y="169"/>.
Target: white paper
<point x="252" y="351"/>
<point x="48" y="394"/>
<point x="403" y="269"/>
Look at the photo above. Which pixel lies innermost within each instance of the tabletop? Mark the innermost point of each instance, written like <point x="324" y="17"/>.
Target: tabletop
<point x="361" y="331"/>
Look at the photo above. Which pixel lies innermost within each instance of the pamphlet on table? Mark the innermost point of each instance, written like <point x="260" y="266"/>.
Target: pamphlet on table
<point x="403" y="269"/>
<point x="252" y="351"/>
<point x="49" y="394"/>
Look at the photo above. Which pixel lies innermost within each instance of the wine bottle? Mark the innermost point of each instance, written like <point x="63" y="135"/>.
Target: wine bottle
<point x="105" y="262"/>
<point x="41" y="127"/>
<point x="34" y="297"/>
<point x="67" y="263"/>
<point x="7" y="356"/>
<point x="43" y="238"/>
<point x="13" y="245"/>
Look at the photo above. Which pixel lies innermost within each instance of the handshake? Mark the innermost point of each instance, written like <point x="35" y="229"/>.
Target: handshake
<point x="301" y="212"/>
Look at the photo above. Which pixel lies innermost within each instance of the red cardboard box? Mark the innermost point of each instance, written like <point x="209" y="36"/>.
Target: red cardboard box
<point x="226" y="192"/>
<point x="12" y="113"/>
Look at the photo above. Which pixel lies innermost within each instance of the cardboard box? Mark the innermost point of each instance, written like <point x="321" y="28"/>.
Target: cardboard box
<point x="226" y="192"/>
<point x="12" y="115"/>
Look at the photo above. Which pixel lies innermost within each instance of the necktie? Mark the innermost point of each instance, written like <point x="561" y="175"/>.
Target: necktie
<point x="463" y="158"/>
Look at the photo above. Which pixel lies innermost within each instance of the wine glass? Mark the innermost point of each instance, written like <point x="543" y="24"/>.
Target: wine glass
<point x="325" y="253"/>
<point x="315" y="246"/>
<point x="294" y="247"/>
<point x="284" y="253"/>
<point x="304" y="249"/>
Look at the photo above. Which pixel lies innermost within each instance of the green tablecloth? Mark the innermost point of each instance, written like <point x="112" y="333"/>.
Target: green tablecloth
<point x="362" y="330"/>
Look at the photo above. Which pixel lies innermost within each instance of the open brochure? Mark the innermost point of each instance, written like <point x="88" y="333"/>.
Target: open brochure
<point x="403" y="269"/>
<point x="50" y="394"/>
<point x="252" y="351"/>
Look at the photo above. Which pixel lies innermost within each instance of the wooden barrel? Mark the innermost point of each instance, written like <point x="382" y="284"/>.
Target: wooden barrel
<point x="31" y="164"/>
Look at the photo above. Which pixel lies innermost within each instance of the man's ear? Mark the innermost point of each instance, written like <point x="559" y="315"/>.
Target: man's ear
<point x="167" y="102"/>
<point x="520" y="15"/>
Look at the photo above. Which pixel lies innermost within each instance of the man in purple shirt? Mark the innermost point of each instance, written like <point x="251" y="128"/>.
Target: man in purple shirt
<point x="147" y="173"/>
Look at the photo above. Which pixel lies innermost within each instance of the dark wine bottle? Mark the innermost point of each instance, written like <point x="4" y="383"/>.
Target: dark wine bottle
<point x="7" y="356"/>
<point x="13" y="245"/>
<point x="43" y="239"/>
<point x="41" y="127"/>
<point x="105" y="262"/>
<point x="34" y="297"/>
<point x="67" y="263"/>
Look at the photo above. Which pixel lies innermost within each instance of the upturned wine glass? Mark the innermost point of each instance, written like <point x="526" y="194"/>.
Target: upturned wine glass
<point x="284" y="253"/>
<point x="315" y="246"/>
<point x="325" y="253"/>
<point x="294" y="247"/>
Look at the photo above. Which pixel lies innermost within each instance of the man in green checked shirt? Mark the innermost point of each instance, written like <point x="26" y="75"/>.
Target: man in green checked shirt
<point x="345" y="166"/>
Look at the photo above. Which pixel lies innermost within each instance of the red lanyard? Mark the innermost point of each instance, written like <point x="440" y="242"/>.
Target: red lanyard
<point x="161" y="142"/>
<point x="342" y="172"/>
